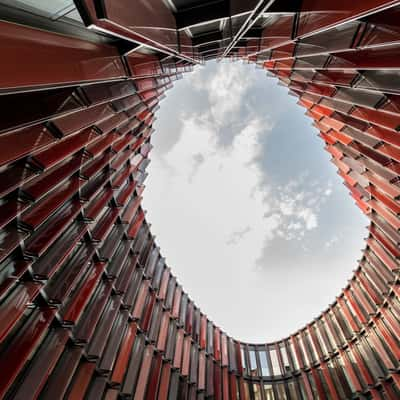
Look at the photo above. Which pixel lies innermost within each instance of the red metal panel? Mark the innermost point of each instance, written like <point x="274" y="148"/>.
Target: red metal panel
<point x="201" y="382"/>
<point x="73" y="170"/>
<point x="81" y="381"/>
<point x="124" y="353"/>
<point x="178" y="349"/>
<point x="203" y="331"/>
<point x="28" y="52"/>
<point x="164" y="382"/>
<point x="155" y="376"/>
<point x="144" y="373"/>
<point x="18" y="351"/>
<point x="42" y="365"/>
<point x="186" y="356"/>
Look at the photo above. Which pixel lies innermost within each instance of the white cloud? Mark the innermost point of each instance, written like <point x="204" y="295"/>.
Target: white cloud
<point x="225" y="91"/>
<point x="222" y="215"/>
<point x="197" y="160"/>
<point x="215" y="211"/>
<point x="296" y="206"/>
<point x="236" y="236"/>
<point x="332" y="241"/>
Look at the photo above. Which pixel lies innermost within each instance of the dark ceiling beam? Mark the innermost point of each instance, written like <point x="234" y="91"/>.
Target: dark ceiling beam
<point x="205" y="12"/>
<point x="260" y="8"/>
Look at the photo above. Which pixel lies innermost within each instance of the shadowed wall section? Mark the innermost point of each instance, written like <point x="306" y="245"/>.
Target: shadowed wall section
<point x="89" y="309"/>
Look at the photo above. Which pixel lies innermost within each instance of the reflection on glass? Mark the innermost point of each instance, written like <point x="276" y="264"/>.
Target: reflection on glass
<point x="321" y="340"/>
<point x="237" y="385"/>
<point x="276" y="370"/>
<point x="310" y="346"/>
<point x="253" y="362"/>
<point x="268" y="392"/>
<point x="285" y="358"/>
<point x="330" y="334"/>
<point x="292" y="390"/>
<point x="243" y="358"/>
<point x="343" y="369"/>
<point x="303" y="350"/>
<point x="323" y="381"/>
<point x="257" y="391"/>
<point x="280" y="388"/>
<point x="302" y="388"/>
<point x="339" y="382"/>
<point x="54" y="9"/>
<point x="264" y="363"/>
<point x="294" y="356"/>
<point x="313" y="385"/>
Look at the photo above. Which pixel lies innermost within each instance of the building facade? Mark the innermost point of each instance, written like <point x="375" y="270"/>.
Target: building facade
<point x="88" y="307"/>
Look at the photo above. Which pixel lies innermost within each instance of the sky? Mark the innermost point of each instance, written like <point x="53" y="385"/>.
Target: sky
<point x="248" y="211"/>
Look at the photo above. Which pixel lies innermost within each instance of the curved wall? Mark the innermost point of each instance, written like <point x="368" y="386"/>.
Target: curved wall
<point x="89" y="309"/>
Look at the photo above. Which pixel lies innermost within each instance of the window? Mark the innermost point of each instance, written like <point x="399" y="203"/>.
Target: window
<point x="324" y="384"/>
<point x="280" y="390"/>
<point x="320" y="338"/>
<point x="345" y="374"/>
<point x="303" y="350"/>
<point x="276" y="369"/>
<point x="339" y="381"/>
<point x="370" y="359"/>
<point x="268" y="392"/>
<point x="257" y="391"/>
<point x="264" y="363"/>
<point x="285" y="358"/>
<point x="243" y="355"/>
<point x="294" y="356"/>
<point x="232" y="355"/>
<point x="210" y="337"/>
<point x="54" y="9"/>
<point x="293" y="394"/>
<point x="313" y="385"/>
<point x="253" y="362"/>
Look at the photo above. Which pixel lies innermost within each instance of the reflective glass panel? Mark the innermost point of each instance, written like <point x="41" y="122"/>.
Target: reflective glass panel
<point x="253" y="362"/>
<point x="264" y="363"/>
<point x="285" y="358"/>
<point x="294" y="357"/>
<point x="275" y="362"/>
<point x="257" y="391"/>
<point x="268" y="392"/>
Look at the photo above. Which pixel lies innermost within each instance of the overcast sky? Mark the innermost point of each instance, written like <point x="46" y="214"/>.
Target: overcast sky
<point x="247" y="209"/>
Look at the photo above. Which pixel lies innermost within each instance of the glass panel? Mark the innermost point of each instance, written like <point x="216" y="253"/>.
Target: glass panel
<point x="285" y="358"/>
<point x="275" y="362"/>
<point x="303" y="350"/>
<point x="339" y="384"/>
<point x="302" y="388"/>
<point x="280" y="390"/>
<point x="320" y="339"/>
<point x="53" y="8"/>
<point x="264" y="363"/>
<point x="294" y="357"/>
<point x="330" y="335"/>
<point x="210" y="337"/>
<point x="313" y="385"/>
<point x="324" y="384"/>
<point x="292" y="390"/>
<point x="353" y="361"/>
<point x="343" y="370"/>
<point x="370" y="359"/>
<point x="257" y="391"/>
<point x="253" y="362"/>
<point x="268" y="392"/>
<point x="244" y="364"/>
